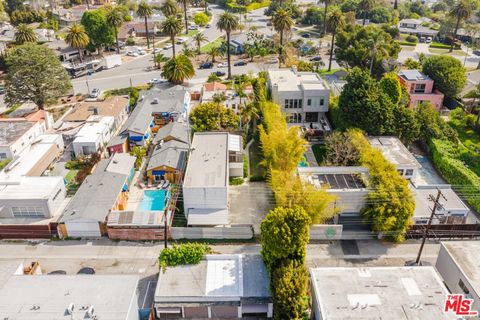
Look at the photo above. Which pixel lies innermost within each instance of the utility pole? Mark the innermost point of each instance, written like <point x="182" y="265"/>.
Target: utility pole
<point x="165" y="217"/>
<point x="436" y="204"/>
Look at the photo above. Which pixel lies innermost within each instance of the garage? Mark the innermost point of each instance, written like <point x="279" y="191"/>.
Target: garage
<point x="83" y="228"/>
<point x="253" y="310"/>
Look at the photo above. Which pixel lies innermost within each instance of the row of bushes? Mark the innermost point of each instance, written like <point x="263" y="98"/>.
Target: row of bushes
<point x="188" y="253"/>
<point x="406" y="43"/>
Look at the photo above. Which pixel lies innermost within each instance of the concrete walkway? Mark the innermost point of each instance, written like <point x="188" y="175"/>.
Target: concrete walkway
<point x="310" y="157"/>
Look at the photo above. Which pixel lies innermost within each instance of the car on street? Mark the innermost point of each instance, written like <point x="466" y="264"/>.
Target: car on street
<point x="206" y="65"/>
<point x="142" y="52"/>
<point x="222" y="65"/>
<point x="476" y="52"/>
<point x="157" y="50"/>
<point x="240" y="63"/>
<point x="132" y="54"/>
<point x="156" y="81"/>
<point x="316" y="59"/>
<point x="193" y="27"/>
<point x="422" y="39"/>
<point x="208" y="26"/>
<point x="429" y="39"/>
<point x="60" y="272"/>
<point x="306" y="35"/>
<point x="95" y="93"/>
<point x="2" y="89"/>
<point x="167" y="46"/>
<point x="86" y="270"/>
<point x="219" y="73"/>
<point x="181" y="40"/>
<point x="272" y="60"/>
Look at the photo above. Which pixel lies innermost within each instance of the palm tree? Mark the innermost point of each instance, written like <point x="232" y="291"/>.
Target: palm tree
<point x="184" y="4"/>
<point x="462" y="10"/>
<point x="159" y="58"/>
<point x="335" y="20"/>
<point x="228" y="22"/>
<point x="249" y="112"/>
<point x="240" y="87"/>
<point x="77" y="38"/>
<point x="172" y="26"/>
<point x="187" y="51"/>
<point x="115" y="20"/>
<point x="365" y="6"/>
<point x="326" y="3"/>
<point x="199" y="38"/>
<point x="282" y="22"/>
<point x="214" y="52"/>
<point x="219" y="98"/>
<point x="177" y="69"/>
<point x="24" y="33"/>
<point x="376" y="44"/>
<point x="205" y="6"/>
<point x="169" y="8"/>
<point x="145" y="11"/>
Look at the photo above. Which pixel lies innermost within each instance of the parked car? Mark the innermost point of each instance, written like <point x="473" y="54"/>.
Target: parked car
<point x="95" y="93"/>
<point x="193" y="27"/>
<point x="222" y="65"/>
<point x="476" y="52"/>
<point x="62" y="272"/>
<point x="240" y="63"/>
<point x="2" y="89"/>
<point x="86" y="270"/>
<point x="142" y="52"/>
<point x="167" y="46"/>
<point x="272" y="60"/>
<point x="429" y="39"/>
<point x="422" y="39"/>
<point x="156" y="81"/>
<point x="316" y="59"/>
<point x="219" y="73"/>
<point x="157" y="50"/>
<point x="181" y="40"/>
<point x="306" y="35"/>
<point x="132" y="54"/>
<point x="206" y="65"/>
<point x="208" y="26"/>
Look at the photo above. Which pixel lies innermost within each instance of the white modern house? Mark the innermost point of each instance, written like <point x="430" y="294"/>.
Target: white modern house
<point x="459" y="265"/>
<point x="94" y="135"/>
<point x="215" y="157"/>
<point x="303" y="96"/>
<point x="16" y="134"/>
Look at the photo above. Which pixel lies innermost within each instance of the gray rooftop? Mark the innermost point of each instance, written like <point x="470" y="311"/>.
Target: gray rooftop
<point x="138" y="121"/>
<point x="111" y="296"/>
<point x="394" y="151"/>
<point x="217" y="278"/>
<point x="98" y="193"/>
<point x="291" y="80"/>
<point x="423" y="206"/>
<point x="465" y="254"/>
<point x="171" y="154"/>
<point x="413" y="75"/>
<point x="208" y="160"/>
<point x="396" y="293"/>
<point x="10" y="131"/>
<point x="176" y="130"/>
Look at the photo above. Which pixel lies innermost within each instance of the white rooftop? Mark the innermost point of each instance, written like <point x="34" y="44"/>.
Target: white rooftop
<point x="396" y="293"/>
<point x="94" y="127"/>
<point x="413" y="75"/>
<point x="394" y="151"/>
<point x="111" y="295"/>
<point x="291" y="80"/>
<point x="28" y="187"/>
<point x="423" y="206"/>
<point x="208" y="161"/>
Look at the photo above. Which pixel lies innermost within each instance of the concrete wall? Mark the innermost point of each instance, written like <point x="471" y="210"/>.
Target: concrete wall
<point x="136" y="234"/>
<point x="240" y="232"/>
<point x="326" y="232"/>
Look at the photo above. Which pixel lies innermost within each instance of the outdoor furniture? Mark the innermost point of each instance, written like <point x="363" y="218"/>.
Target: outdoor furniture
<point x="167" y="183"/>
<point x="141" y="185"/>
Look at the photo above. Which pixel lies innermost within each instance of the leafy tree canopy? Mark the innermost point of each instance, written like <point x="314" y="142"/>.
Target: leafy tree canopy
<point x="391" y="86"/>
<point x="101" y="34"/>
<point x="212" y="116"/>
<point x="447" y="72"/>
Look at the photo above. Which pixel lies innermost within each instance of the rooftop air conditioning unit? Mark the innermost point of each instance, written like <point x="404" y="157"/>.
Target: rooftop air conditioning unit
<point x="155" y="101"/>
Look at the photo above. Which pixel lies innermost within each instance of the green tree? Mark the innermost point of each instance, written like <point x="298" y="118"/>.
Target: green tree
<point x="115" y="20"/>
<point x="97" y="28"/>
<point x="335" y="20"/>
<point x="282" y="22"/>
<point x="214" y="52"/>
<point x="412" y="64"/>
<point x="24" y="34"/>
<point x="159" y="59"/>
<point x="447" y="72"/>
<point x="380" y="14"/>
<point x="145" y="11"/>
<point x="406" y="124"/>
<point x="178" y="69"/>
<point x="139" y="153"/>
<point x="169" y="8"/>
<point x="172" y="27"/>
<point x="201" y="19"/>
<point x="377" y="45"/>
<point x="290" y="291"/>
<point x="228" y="22"/>
<point x="35" y="74"/>
<point x="363" y="104"/>
<point x="432" y="125"/>
<point x="461" y="11"/>
<point x="185" y="18"/>
<point x="212" y="116"/>
<point x="392" y="87"/>
<point x="76" y="37"/>
<point x="199" y="38"/>
<point x="285" y="235"/>
<point x="188" y="51"/>
<point x="365" y="6"/>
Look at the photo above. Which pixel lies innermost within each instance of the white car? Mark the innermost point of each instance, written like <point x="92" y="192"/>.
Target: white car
<point x="157" y="50"/>
<point x="156" y="81"/>
<point x="222" y="65"/>
<point x="132" y="54"/>
<point x="167" y="46"/>
<point x="95" y="93"/>
<point x="272" y="60"/>
<point x="429" y="39"/>
<point x="141" y="52"/>
<point x="193" y="27"/>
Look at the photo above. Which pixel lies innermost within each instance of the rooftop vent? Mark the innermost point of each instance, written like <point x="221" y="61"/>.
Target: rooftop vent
<point x="155" y="101"/>
<point x="70" y="308"/>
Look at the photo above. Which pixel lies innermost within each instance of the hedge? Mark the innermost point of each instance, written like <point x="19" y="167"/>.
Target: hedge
<point x="455" y="171"/>
<point x="188" y="253"/>
<point x="406" y="43"/>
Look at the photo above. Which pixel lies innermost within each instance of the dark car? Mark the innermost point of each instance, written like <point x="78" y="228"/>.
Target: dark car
<point x="86" y="270"/>
<point x="305" y="35"/>
<point x="240" y="63"/>
<point x="316" y="59"/>
<point x="206" y="65"/>
<point x="476" y="52"/>
<point x="61" y="272"/>
<point x="219" y="73"/>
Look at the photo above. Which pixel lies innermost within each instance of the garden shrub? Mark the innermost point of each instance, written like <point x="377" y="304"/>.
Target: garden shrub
<point x="187" y="253"/>
<point x="412" y="39"/>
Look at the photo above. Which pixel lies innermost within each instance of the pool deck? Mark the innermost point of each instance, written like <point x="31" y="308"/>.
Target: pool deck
<point x="135" y="194"/>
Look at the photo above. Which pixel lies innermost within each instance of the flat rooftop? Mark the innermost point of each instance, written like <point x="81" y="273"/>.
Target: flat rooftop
<point x="221" y="277"/>
<point x="290" y="80"/>
<point x="10" y="131"/>
<point x="423" y="206"/>
<point x="413" y="75"/>
<point x="208" y="161"/>
<point x="109" y="107"/>
<point x="28" y="187"/>
<point x="397" y="293"/>
<point x="394" y="151"/>
<point x="343" y="178"/>
<point x="111" y="296"/>
<point x="465" y="254"/>
<point x="93" y="128"/>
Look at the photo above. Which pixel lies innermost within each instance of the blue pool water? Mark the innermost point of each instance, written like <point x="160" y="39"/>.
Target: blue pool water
<point x="153" y="200"/>
<point x="303" y="163"/>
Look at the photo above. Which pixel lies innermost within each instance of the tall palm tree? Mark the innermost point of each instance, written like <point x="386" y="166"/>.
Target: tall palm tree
<point x="145" y="11"/>
<point x="177" y="69"/>
<point x="77" y="38"/>
<point x="282" y="22"/>
<point x="169" y="8"/>
<point x="184" y="5"/>
<point x="325" y="10"/>
<point x="365" y="6"/>
<point x="335" y="20"/>
<point x="115" y="20"/>
<point x="24" y="33"/>
<point x="187" y="51"/>
<point x="462" y="10"/>
<point x="376" y="43"/>
<point x="214" y="52"/>
<point x="205" y="6"/>
<point x="228" y="22"/>
<point x="172" y="26"/>
<point x="199" y="38"/>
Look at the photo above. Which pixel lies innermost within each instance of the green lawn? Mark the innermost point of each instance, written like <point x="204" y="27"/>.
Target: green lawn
<point x="446" y="51"/>
<point x="191" y="33"/>
<point x="320" y="151"/>
<point x="470" y="139"/>
<point x="325" y="72"/>
<point x="214" y="44"/>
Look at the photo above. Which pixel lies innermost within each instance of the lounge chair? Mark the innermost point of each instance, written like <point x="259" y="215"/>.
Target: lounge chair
<point x="167" y="183"/>
<point x="141" y="185"/>
<point x="149" y="184"/>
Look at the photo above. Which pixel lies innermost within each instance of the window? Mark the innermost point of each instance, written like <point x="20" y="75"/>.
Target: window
<point x="400" y="171"/>
<point x="294" y="117"/>
<point x="3" y="155"/>
<point x="420" y="88"/>
<point x="322" y="101"/>
<point x="463" y="286"/>
<point x="309" y="102"/>
<point x="409" y="172"/>
<point x="27" y="212"/>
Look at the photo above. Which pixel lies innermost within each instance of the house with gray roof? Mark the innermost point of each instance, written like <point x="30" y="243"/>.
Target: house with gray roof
<point x="220" y="286"/>
<point x="177" y="131"/>
<point x="168" y="161"/>
<point x="106" y="189"/>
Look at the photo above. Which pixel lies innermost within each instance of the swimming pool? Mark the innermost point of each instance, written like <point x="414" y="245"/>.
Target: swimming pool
<point x="153" y="200"/>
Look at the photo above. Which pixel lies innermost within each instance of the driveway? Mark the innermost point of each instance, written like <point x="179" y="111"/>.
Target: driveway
<point x="249" y="204"/>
